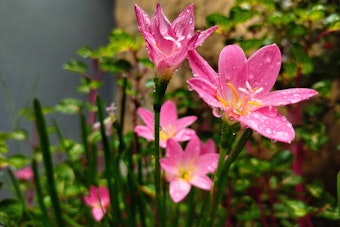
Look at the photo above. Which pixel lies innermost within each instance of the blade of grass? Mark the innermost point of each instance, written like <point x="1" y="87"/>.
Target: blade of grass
<point x="40" y="195"/>
<point x="48" y="164"/>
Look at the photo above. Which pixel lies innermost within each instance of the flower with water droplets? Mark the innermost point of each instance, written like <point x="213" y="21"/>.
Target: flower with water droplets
<point x="168" y="43"/>
<point x="170" y="125"/>
<point x="189" y="167"/>
<point x="98" y="199"/>
<point x="241" y="90"/>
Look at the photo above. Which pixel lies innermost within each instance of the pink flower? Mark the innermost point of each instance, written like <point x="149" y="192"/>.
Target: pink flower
<point x="98" y="200"/>
<point x="170" y="125"/>
<point x="241" y="90"/>
<point x="186" y="168"/>
<point x="24" y="174"/>
<point x="168" y="43"/>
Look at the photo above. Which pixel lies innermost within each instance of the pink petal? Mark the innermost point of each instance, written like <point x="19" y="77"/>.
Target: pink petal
<point x="208" y="147"/>
<point x="287" y="96"/>
<point x="173" y="149"/>
<point x="207" y="163"/>
<point x="169" y="165"/>
<point x="145" y="132"/>
<point x="159" y="21"/>
<point x="184" y="135"/>
<point x="201" y="181"/>
<point x="104" y="196"/>
<point x="97" y="213"/>
<point x="147" y="117"/>
<point x="142" y="20"/>
<point x="205" y="90"/>
<point x="276" y="128"/>
<point x="263" y="67"/>
<point x="232" y="65"/>
<point x="200" y="67"/>
<point x="168" y="113"/>
<point x="184" y="122"/>
<point x="203" y="35"/>
<point x="183" y="25"/>
<point x="193" y="148"/>
<point x="179" y="189"/>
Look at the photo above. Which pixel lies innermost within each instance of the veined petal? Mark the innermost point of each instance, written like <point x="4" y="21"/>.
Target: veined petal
<point x="168" y="113"/>
<point x="145" y="132"/>
<point x="159" y="21"/>
<point x="205" y="90"/>
<point x="200" y="67"/>
<point x="203" y="35"/>
<point x="232" y="65"/>
<point x="263" y="67"/>
<point x="184" y="122"/>
<point x="287" y="96"/>
<point x="207" y="163"/>
<point x="143" y="20"/>
<point x="173" y="149"/>
<point x="179" y="189"/>
<point x="169" y="165"/>
<point x="277" y="128"/>
<point x="201" y="181"/>
<point x="184" y="25"/>
<point x="147" y="117"/>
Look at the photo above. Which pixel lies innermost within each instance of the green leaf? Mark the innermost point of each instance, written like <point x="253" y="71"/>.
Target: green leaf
<point x="75" y="66"/>
<point x="18" y="160"/>
<point x="69" y="106"/>
<point x="303" y="60"/>
<point x="240" y="15"/>
<point x="114" y="66"/>
<point x="121" y="41"/>
<point x="222" y="21"/>
<point x="297" y="207"/>
<point x="11" y="209"/>
<point x="250" y="44"/>
<point x="86" y="52"/>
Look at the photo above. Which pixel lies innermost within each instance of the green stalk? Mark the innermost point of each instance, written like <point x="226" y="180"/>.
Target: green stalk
<point x="160" y="88"/>
<point x="40" y="195"/>
<point x="48" y="163"/>
<point x="110" y="169"/>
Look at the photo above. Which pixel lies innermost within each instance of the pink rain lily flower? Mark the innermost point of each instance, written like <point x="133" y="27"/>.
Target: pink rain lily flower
<point x="170" y="125"/>
<point x="168" y="43"/>
<point x="241" y="89"/>
<point x="98" y="199"/>
<point x="24" y="174"/>
<point x="189" y="167"/>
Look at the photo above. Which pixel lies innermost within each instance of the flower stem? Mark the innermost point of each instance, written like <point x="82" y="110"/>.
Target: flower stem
<point x="160" y="88"/>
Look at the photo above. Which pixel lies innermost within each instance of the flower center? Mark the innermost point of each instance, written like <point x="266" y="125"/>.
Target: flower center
<point x="167" y="132"/>
<point x="239" y="102"/>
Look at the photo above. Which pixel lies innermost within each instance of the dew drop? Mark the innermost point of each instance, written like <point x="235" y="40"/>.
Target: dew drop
<point x="268" y="131"/>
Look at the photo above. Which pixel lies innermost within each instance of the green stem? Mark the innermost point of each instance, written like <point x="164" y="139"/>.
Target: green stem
<point x="40" y="195"/>
<point x="160" y="88"/>
<point x="110" y="169"/>
<point x="48" y="164"/>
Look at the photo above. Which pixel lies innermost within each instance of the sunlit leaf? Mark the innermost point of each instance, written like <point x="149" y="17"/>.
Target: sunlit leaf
<point x="75" y="66"/>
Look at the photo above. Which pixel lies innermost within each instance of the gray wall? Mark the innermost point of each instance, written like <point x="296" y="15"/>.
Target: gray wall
<point x="36" y="38"/>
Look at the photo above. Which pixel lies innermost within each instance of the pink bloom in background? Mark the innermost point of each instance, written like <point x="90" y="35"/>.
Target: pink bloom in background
<point x="241" y="89"/>
<point x="98" y="199"/>
<point x="189" y="167"/>
<point x="170" y="125"/>
<point x="24" y="174"/>
<point x="168" y="43"/>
